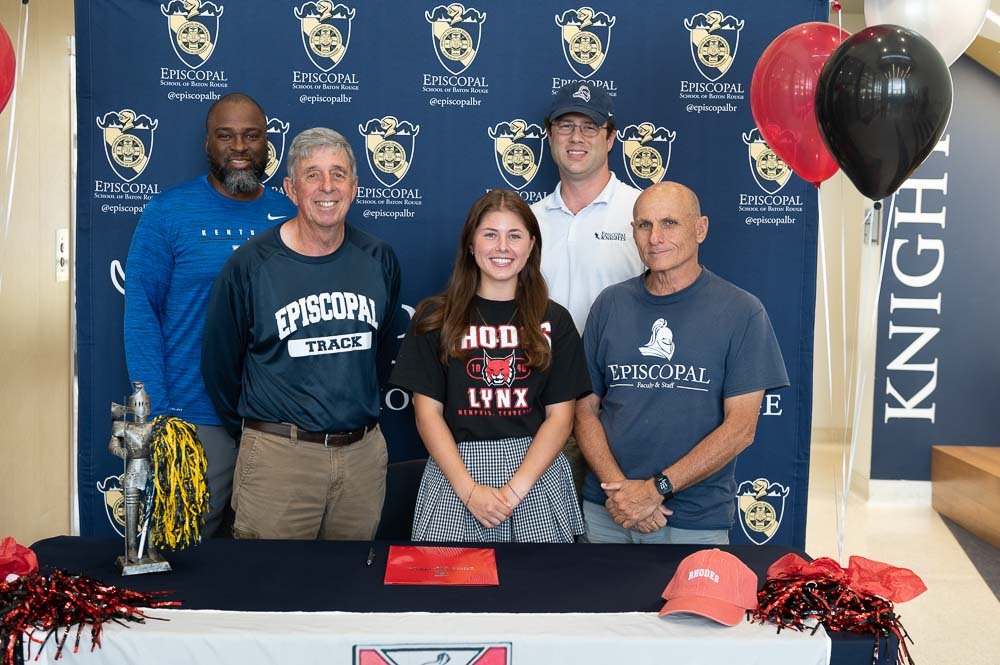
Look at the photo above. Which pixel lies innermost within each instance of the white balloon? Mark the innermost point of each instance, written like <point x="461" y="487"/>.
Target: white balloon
<point x="950" y="26"/>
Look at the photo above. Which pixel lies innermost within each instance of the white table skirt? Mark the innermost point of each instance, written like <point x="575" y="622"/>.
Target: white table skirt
<point x="328" y="638"/>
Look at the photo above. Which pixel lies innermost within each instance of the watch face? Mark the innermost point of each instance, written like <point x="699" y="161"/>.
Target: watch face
<point x="663" y="485"/>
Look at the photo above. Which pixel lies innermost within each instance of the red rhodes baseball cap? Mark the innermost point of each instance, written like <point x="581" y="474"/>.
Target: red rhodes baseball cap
<point x="714" y="584"/>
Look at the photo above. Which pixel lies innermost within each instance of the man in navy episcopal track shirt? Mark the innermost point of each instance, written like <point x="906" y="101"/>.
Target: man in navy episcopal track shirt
<point x="294" y="326"/>
<point x="183" y="238"/>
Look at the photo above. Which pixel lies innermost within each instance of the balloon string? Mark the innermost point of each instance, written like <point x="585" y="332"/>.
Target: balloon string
<point x="845" y="387"/>
<point x="847" y="369"/>
<point x="826" y="302"/>
<point x="885" y="246"/>
<point x="843" y="299"/>
<point x="866" y="337"/>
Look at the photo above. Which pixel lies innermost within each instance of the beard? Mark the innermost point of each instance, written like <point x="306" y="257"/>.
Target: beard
<point x="238" y="181"/>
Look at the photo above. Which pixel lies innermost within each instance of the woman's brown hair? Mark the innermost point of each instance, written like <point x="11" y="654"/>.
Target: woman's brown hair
<point x="451" y="311"/>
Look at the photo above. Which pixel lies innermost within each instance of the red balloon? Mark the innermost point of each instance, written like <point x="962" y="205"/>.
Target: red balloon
<point x="783" y="97"/>
<point x="7" y="66"/>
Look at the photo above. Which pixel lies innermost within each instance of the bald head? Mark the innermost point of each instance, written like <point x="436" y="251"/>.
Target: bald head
<point x="681" y="197"/>
<point x="668" y="227"/>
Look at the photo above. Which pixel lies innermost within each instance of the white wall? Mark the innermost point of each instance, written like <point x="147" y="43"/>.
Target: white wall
<point x="34" y="308"/>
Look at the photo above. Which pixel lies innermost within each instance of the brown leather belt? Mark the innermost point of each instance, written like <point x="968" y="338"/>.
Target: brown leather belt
<point x="328" y="439"/>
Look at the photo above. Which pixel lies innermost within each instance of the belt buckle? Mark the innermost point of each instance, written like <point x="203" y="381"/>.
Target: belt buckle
<point x="326" y="440"/>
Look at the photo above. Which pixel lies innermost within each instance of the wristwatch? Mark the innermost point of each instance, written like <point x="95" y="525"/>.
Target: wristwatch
<point x="663" y="485"/>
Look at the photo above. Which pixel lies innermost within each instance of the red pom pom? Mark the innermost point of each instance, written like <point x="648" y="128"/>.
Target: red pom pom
<point x="36" y="605"/>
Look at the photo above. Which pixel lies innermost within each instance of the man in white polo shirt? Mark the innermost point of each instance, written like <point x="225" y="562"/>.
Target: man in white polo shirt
<point x="586" y="221"/>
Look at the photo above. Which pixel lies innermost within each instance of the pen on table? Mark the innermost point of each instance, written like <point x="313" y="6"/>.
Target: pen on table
<point x="371" y="555"/>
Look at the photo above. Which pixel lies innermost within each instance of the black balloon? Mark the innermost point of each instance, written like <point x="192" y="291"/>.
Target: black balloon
<point x="882" y="102"/>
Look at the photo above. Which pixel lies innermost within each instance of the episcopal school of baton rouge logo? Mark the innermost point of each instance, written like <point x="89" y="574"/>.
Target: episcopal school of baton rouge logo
<point x="714" y="41"/>
<point x="389" y="145"/>
<point x="456" y="32"/>
<point x="586" y="38"/>
<point x="114" y="501"/>
<point x="770" y="171"/>
<point x="193" y="27"/>
<point x="646" y="149"/>
<point x="276" y="132"/>
<point x="762" y="505"/>
<point x="128" y="142"/>
<point x="518" y="148"/>
<point x="433" y="654"/>
<point x="326" y="32"/>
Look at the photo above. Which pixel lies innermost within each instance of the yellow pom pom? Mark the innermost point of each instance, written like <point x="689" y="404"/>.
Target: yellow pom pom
<point x="181" y="498"/>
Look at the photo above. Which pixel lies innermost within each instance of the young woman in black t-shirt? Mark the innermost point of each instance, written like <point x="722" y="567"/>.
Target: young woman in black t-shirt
<point x="495" y="368"/>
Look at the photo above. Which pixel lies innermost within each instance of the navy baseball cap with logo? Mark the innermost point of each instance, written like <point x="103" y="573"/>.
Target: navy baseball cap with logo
<point x="582" y="98"/>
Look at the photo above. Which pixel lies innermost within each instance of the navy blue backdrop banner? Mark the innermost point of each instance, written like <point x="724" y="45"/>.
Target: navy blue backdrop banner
<point x="459" y="86"/>
<point x="936" y="356"/>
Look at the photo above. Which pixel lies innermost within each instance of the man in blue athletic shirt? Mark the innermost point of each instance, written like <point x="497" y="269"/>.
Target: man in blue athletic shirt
<point x="183" y="238"/>
<point x="295" y="324"/>
<point x="679" y="360"/>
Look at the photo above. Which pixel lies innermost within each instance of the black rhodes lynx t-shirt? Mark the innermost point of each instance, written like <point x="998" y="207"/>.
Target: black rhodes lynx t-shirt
<point x="492" y="393"/>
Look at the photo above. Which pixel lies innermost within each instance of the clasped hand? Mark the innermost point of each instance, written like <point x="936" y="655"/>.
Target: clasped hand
<point x="636" y="505"/>
<point x="490" y="505"/>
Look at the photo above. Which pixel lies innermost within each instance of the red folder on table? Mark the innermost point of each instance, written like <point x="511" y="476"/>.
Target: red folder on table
<point x="446" y="566"/>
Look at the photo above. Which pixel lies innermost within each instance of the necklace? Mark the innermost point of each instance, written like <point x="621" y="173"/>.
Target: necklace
<point x="485" y="322"/>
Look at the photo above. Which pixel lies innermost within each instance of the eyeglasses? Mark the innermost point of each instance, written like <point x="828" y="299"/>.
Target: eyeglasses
<point x="567" y="127"/>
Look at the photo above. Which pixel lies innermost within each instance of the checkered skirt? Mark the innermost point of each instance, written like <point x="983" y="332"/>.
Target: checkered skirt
<point x="549" y="513"/>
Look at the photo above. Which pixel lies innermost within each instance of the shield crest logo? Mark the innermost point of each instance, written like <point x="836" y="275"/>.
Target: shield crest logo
<point x="646" y="149"/>
<point x="457" y="32"/>
<point x="389" y="145"/>
<point x="714" y="41"/>
<point x="518" y="148"/>
<point x="193" y="26"/>
<point x="586" y="38"/>
<point x="770" y="171"/>
<point x="762" y="505"/>
<point x="326" y="32"/>
<point x="114" y="501"/>
<point x="128" y="142"/>
<point x="276" y="132"/>
<point x="433" y="654"/>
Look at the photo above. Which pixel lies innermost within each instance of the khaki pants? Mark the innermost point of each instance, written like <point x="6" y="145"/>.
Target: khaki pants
<point x="284" y="488"/>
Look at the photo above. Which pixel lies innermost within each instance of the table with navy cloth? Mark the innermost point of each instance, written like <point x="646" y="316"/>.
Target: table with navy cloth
<point x="308" y="576"/>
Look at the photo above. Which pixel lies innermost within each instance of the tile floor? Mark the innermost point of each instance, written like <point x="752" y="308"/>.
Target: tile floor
<point x="957" y="620"/>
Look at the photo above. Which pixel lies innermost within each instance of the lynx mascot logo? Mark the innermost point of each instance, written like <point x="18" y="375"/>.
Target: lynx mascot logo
<point x="661" y="341"/>
<point x="128" y="142"/>
<point x="326" y="32"/>
<point x="457" y="32"/>
<point x="770" y="171"/>
<point x="586" y="38"/>
<point x="499" y="371"/>
<point x="518" y="148"/>
<point x="194" y="29"/>
<point x="762" y="505"/>
<point x="646" y="149"/>
<point x="714" y="40"/>
<point x="276" y="132"/>
<point x="114" y="502"/>
<point x="389" y="147"/>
